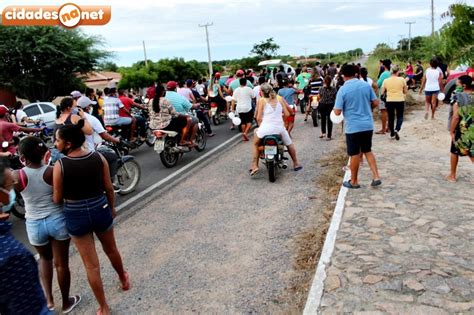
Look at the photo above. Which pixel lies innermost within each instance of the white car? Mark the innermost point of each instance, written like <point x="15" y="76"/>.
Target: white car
<point x="44" y="111"/>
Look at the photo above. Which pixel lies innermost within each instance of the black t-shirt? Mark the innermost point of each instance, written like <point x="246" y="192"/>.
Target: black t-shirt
<point x="419" y="70"/>
<point x="444" y="68"/>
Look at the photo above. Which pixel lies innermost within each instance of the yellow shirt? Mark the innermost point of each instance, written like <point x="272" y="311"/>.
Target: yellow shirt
<point x="394" y="87"/>
<point x="100" y="101"/>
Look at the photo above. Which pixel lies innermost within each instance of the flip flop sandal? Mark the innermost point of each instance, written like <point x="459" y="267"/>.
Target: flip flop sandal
<point x="254" y="172"/>
<point x="77" y="300"/>
<point x="348" y="184"/>
<point x="299" y="168"/>
<point x="376" y="182"/>
<point x="447" y="178"/>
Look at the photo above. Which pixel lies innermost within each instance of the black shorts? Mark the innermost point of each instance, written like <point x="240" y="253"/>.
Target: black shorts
<point x="247" y="117"/>
<point x="359" y="142"/>
<point x="176" y="124"/>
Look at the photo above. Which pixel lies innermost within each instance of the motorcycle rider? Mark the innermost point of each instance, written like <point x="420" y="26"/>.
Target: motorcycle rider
<point x="182" y="106"/>
<point x="8" y="128"/>
<point x="112" y="106"/>
<point x="99" y="134"/>
<point x="215" y="93"/>
<point x="138" y="122"/>
<point x="270" y="113"/>
<point x="199" y="111"/>
<point x="236" y="83"/>
<point x="184" y="89"/>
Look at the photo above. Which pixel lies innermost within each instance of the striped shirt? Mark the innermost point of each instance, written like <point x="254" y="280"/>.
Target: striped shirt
<point x="315" y="86"/>
<point x="112" y="105"/>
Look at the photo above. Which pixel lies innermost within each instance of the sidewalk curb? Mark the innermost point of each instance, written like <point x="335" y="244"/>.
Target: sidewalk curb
<point x="317" y="287"/>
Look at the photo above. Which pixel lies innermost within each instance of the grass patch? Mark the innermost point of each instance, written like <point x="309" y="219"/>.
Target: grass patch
<point x="309" y="244"/>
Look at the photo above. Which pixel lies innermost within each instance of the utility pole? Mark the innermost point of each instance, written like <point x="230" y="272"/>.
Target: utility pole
<point x="432" y="18"/>
<point x="305" y="54"/>
<point x="208" y="47"/>
<point x="401" y="42"/>
<point x="144" y="52"/>
<point x="409" y="34"/>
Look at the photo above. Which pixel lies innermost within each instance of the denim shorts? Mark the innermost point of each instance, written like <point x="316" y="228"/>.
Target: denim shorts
<point x="431" y="93"/>
<point x="88" y="215"/>
<point x="122" y="121"/>
<point x="40" y="231"/>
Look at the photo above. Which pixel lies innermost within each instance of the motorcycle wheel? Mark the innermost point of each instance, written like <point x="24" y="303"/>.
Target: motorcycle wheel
<point x="150" y="138"/>
<point x="201" y="140"/>
<point x="128" y="176"/>
<point x="18" y="209"/>
<point x="215" y="120"/>
<point x="302" y="106"/>
<point x="271" y="171"/>
<point x="168" y="158"/>
<point x="314" y="115"/>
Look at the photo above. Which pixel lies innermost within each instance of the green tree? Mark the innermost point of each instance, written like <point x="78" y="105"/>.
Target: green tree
<point x="41" y="63"/>
<point x="458" y="33"/>
<point x="265" y="49"/>
<point x="139" y="76"/>
<point x="107" y="66"/>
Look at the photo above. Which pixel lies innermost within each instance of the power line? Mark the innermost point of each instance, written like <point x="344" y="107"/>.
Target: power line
<point x="208" y="47"/>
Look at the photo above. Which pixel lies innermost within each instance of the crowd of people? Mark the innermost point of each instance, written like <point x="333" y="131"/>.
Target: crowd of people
<point x="73" y="198"/>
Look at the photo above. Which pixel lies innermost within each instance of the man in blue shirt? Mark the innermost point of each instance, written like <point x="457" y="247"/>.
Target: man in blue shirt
<point x="183" y="107"/>
<point x="355" y="99"/>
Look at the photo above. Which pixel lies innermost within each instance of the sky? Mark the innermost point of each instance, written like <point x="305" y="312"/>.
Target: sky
<point x="170" y="27"/>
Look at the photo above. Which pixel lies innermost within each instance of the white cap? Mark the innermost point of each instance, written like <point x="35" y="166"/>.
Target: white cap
<point x="76" y="94"/>
<point x="84" y="101"/>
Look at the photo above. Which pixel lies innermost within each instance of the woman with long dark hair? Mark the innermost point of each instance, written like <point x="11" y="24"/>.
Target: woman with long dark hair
<point x="432" y="83"/>
<point x="163" y="115"/>
<point x="81" y="181"/>
<point x="327" y="98"/>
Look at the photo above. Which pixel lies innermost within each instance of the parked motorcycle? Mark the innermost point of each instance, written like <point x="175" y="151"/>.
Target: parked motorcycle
<point x="273" y="155"/>
<point x="167" y="145"/>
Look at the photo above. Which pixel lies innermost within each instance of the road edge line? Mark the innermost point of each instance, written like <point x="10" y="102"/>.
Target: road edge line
<point x="317" y="287"/>
<point x="174" y="174"/>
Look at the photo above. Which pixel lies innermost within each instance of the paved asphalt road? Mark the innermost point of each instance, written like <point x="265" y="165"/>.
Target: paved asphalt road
<point x="219" y="241"/>
<point x="152" y="171"/>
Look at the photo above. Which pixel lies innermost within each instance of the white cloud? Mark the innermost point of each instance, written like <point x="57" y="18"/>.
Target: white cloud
<point x="343" y="7"/>
<point x="400" y="14"/>
<point x="344" y="28"/>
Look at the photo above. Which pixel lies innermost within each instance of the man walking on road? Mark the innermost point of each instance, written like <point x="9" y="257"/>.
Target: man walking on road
<point x="243" y="96"/>
<point x="355" y="99"/>
<point x="383" y="109"/>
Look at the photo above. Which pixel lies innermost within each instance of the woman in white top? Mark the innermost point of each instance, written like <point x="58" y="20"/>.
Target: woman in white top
<point x="432" y="83"/>
<point x="270" y="121"/>
<point x="45" y="221"/>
